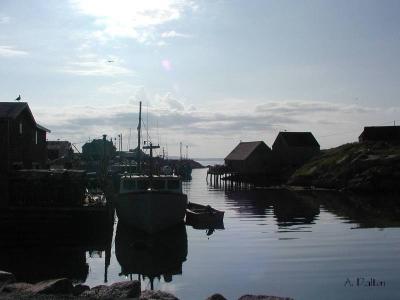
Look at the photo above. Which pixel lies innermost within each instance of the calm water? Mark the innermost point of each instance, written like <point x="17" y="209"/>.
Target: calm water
<point x="301" y="245"/>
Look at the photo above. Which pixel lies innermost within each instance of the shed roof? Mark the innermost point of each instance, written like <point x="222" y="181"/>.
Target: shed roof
<point x="298" y="139"/>
<point x="243" y="150"/>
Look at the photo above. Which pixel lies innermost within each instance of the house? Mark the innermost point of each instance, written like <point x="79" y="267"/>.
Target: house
<point x="22" y="140"/>
<point x="294" y="148"/>
<point x="380" y="133"/>
<point x="249" y="158"/>
<point x="98" y="149"/>
<point x="58" y="149"/>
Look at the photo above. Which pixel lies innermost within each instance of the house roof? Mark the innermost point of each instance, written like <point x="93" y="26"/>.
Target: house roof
<point x="11" y="110"/>
<point x="243" y="150"/>
<point x="381" y="133"/>
<point x="298" y="139"/>
<point x="42" y="128"/>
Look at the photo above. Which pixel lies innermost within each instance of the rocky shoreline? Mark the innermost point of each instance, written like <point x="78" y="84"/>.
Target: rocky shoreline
<point x="62" y="288"/>
<point x="372" y="167"/>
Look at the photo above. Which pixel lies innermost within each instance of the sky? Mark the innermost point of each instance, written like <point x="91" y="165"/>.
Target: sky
<point x="209" y="73"/>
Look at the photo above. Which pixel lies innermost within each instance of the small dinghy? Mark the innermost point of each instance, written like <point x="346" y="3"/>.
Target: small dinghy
<point x="203" y="215"/>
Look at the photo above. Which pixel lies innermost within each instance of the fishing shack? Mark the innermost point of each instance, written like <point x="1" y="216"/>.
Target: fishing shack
<point x="380" y="133"/>
<point x="292" y="149"/>
<point x="249" y="158"/>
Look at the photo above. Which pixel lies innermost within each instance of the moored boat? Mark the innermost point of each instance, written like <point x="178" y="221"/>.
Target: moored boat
<point x="148" y="202"/>
<point x="151" y="203"/>
<point x="205" y="215"/>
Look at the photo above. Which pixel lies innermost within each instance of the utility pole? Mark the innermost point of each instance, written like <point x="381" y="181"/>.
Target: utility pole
<point x="187" y="153"/>
<point x="180" y="150"/>
<point x="139" y="128"/>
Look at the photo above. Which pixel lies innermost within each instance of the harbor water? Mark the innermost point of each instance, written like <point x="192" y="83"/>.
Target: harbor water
<point x="304" y="245"/>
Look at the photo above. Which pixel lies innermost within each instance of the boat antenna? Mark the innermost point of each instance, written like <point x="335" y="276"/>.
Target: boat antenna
<point x="139" y="128"/>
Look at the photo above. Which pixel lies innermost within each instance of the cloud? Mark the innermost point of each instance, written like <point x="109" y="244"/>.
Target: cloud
<point x="9" y="51"/>
<point x="173" y="34"/>
<point x="92" y="65"/>
<point x="4" y="19"/>
<point x="131" y="19"/>
<point x="214" y="132"/>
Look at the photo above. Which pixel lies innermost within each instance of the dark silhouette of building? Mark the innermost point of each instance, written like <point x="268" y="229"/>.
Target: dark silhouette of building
<point x="380" y="133"/>
<point x="58" y="149"/>
<point x="98" y="149"/>
<point x="249" y="157"/>
<point x="294" y="148"/>
<point x="22" y="140"/>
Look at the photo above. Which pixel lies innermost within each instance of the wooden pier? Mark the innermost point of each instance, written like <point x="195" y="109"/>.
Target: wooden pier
<point x="223" y="176"/>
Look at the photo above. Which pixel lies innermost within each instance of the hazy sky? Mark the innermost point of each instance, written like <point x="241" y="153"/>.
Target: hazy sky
<point x="209" y="73"/>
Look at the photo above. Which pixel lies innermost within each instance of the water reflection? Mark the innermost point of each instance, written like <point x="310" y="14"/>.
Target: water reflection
<point x="286" y="207"/>
<point x="293" y="208"/>
<point x="37" y="251"/>
<point x="151" y="256"/>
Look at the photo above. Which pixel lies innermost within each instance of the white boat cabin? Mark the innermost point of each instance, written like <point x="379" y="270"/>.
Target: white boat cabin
<point x="140" y="183"/>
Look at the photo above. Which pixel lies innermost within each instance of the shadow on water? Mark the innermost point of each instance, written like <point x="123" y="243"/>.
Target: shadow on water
<point x="151" y="256"/>
<point x="41" y="250"/>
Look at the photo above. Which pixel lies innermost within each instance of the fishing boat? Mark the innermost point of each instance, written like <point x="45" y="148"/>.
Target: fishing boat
<point x="148" y="202"/>
<point x="204" y="216"/>
<point x="151" y="203"/>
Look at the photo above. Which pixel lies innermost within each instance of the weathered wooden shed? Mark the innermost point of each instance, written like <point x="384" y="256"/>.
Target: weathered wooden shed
<point x="380" y="133"/>
<point x="249" y="158"/>
<point x="22" y="140"/>
<point x="294" y="148"/>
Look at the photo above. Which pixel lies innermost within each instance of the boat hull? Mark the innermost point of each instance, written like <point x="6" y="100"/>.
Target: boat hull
<point x="151" y="211"/>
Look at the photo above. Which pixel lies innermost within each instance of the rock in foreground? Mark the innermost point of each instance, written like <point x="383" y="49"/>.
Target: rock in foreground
<point x="262" y="297"/>
<point x="125" y="289"/>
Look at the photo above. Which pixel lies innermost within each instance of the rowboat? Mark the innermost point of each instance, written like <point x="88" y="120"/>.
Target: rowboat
<point x="203" y="216"/>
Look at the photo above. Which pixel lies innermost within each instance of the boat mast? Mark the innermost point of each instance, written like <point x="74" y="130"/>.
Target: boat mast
<point x="139" y="129"/>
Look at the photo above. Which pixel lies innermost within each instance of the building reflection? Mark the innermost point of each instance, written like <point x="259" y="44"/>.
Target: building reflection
<point x="293" y="208"/>
<point x="287" y="207"/>
<point x="151" y="256"/>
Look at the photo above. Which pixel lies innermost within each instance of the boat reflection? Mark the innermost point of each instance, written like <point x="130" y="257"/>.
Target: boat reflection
<point x="151" y="256"/>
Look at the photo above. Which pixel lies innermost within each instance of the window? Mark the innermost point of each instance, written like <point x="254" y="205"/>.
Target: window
<point x="20" y="128"/>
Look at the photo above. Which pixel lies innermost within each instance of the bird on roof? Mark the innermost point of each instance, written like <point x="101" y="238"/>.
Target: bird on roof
<point x="18" y="98"/>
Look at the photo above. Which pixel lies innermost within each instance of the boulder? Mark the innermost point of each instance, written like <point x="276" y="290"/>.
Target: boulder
<point x="262" y="297"/>
<point x="6" y="277"/>
<point x="79" y="289"/>
<point x="156" y="295"/>
<point x="53" y="286"/>
<point x="216" y="297"/>
<point x="125" y="289"/>
<point x="18" y="287"/>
